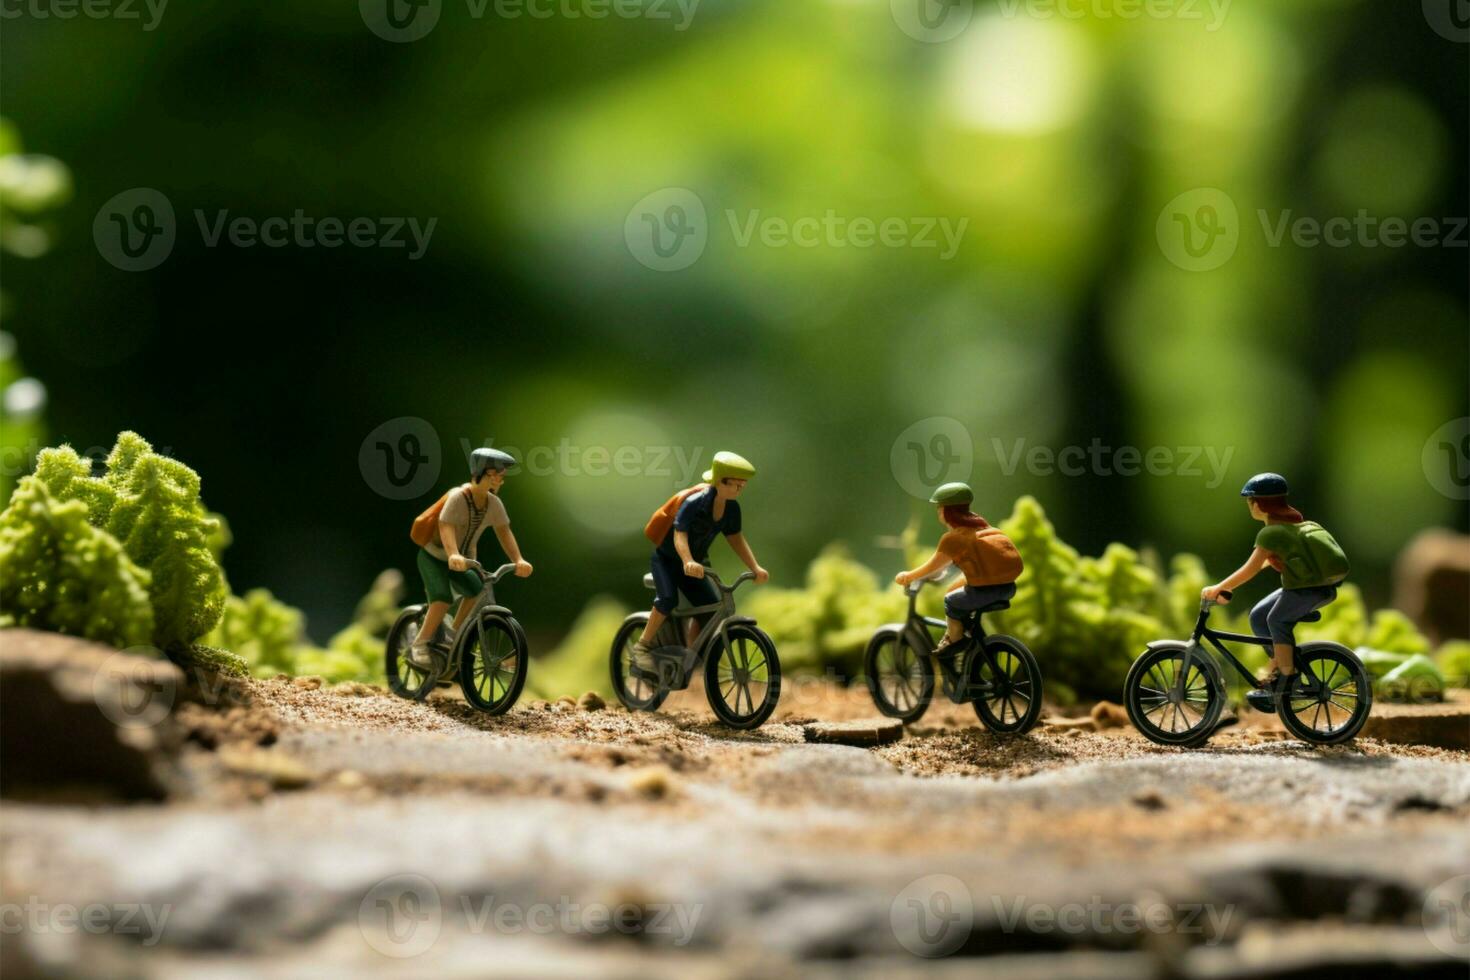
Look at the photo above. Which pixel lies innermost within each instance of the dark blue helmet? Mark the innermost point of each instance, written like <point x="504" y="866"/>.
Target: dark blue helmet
<point x="1265" y="485"/>
<point x="489" y="459"/>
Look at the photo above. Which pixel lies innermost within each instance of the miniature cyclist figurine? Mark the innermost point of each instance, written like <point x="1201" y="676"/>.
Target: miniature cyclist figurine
<point x="1312" y="566"/>
<point x="449" y="533"/>
<point x="985" y="554"/>
<point x="678" y="560"/>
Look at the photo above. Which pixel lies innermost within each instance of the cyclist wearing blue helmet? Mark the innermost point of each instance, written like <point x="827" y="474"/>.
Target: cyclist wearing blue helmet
<point x="1312" y="566"/>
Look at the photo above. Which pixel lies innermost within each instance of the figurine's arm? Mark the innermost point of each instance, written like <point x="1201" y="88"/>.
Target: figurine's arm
<point x="741" y="547"/>
<point x="449" y="537"/>
<point x="512" y="550"/>
<point x="692" y="568"/>
<point x="937" y="561"/>
<point x="1258" y="560"/>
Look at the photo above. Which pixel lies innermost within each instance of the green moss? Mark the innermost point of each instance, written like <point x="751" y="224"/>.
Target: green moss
<point x="59" y="572"/>
<point x="150" y="504"/>
<point x="1453" y="659"/>
<point x="580" y="662"/>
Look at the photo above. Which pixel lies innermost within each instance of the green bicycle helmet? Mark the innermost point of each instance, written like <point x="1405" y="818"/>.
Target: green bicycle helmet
<point x="953" y="494"/>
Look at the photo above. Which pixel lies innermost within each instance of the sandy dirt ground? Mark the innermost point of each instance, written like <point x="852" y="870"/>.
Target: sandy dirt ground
<point x="299" y="830"/>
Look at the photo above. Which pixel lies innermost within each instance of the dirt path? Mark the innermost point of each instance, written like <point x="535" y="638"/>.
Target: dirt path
<point x="374" y="835"/>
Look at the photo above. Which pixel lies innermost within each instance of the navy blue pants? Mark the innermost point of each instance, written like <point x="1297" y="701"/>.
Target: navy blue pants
<point x="669" y="580"/>
<point x="962" y="601"/>
<point x="1275" y="615"/>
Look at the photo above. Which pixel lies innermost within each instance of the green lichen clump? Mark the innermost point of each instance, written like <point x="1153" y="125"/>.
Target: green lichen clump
<point x="150" y="504"/>
<point x="143" y="557"/>
<point x="58" y="572"/>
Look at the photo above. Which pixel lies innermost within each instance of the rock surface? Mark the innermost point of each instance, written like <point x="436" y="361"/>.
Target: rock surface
<point x="376" y="836"/>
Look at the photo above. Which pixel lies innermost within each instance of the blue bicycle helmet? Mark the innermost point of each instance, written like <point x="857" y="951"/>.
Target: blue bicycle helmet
<point x="1265" y="485"/>
<point x="489" y="459"/>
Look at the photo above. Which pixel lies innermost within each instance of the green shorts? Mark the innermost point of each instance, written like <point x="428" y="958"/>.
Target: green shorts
<point x="441" y="584"/>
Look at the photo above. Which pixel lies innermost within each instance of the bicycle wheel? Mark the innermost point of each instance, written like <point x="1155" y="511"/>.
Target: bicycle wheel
<point x="900" y="678"/>
<point x="404" y="679"/>
<point x="492" y="660"/>
<point x="636" y="685"/>
<point x="1331" y="697"/>
<point x="1187" y="719"/>
<point x="742" y="680"/>
<point x="1006" y="685"/>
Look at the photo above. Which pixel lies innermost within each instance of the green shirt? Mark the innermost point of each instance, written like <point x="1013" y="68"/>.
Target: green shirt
<point x="1285" y="542"/>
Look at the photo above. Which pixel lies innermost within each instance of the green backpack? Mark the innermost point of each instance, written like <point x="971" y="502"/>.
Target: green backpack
<point x="1329" y="563"/>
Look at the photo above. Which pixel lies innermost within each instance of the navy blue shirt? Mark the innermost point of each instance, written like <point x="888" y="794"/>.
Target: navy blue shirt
<point x="696" y="518"/>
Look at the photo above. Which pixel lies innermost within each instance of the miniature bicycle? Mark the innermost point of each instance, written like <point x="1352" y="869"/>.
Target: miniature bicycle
<point x="1175" y="690"/>
<point x="742" y="674"/>
<point x="996" y="673"/>
<point x="488" y="653"/>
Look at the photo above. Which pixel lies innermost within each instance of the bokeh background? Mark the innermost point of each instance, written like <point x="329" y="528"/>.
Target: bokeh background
<point x="1064" y="140"/>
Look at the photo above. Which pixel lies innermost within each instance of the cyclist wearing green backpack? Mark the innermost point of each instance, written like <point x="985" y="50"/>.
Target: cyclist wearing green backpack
<point x="1312" y="566"/>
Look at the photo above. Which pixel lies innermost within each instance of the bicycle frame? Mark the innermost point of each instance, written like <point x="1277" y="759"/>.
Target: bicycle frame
<point x="721" y="616"/>
<point x="1218" y="638"/>
<point x="484" y="602"/>
<point x="914" y="628"/>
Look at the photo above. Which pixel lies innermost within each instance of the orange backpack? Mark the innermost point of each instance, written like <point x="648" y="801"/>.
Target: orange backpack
<point x="992" y="558"/>
<point x="426" y="525"/>
<point x="658" y="525"/>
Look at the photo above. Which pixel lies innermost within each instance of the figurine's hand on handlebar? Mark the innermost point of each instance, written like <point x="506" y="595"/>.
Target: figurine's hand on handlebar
<point x="1219" y="595"/>
<point x="458" y="563"/>
<point x="903" y="578"/>
<point x="761" y="575"/>
<point x="693" y="569"/>
<point x="523" y="569"/>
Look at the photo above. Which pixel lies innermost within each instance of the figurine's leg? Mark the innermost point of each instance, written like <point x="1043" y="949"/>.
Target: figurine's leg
<point x="433" y="616"/>
<point x="465" y="605"/>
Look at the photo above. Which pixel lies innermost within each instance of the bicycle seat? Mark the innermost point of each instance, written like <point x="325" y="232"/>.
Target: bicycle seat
<point x="648" y="580"/>
<point x="1311" y="617"/>
<point x="996" y="606"/>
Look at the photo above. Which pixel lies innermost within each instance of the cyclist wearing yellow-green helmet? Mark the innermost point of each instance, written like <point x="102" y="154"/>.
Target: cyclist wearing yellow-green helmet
<point x="986" y="555"/>
<point x="683" y="530"/>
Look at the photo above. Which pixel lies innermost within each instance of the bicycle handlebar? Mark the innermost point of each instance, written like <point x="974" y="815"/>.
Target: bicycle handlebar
<point x="933" y="578"/>
<point x="491" y="577"/>
<point x="1205" y="605"/>
<point x="713" y="576"/>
